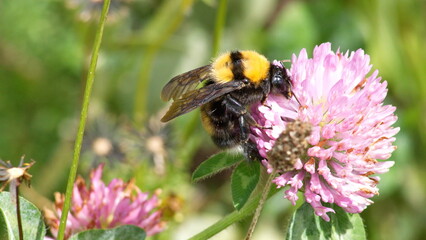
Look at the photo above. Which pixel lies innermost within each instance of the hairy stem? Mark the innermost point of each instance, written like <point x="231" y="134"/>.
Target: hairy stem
<point x="235" y="216"/>
<point x="83" y="118"/>
<point x="260" y="206"/>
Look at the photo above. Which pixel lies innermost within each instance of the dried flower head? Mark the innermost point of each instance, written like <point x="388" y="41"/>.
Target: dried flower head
<point x="351" y="129"/>
<point x="102" y="142"/>
<point x="14" y="175"/>
<point x="102" y="207"/>
<point x="152" y="142"/>
<point x="290" y="146"/>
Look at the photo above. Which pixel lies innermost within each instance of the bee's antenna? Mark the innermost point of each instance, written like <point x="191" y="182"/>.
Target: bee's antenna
<point x="281" y="62"/>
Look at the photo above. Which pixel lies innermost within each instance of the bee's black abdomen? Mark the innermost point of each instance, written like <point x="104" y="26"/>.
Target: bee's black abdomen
<point x="221" y="124"/>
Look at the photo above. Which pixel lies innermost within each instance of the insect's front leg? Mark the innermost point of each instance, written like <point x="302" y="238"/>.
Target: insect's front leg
<point x="245" y="120"/>
<point x="266" y="89"/>
<point x="235" y="107"/>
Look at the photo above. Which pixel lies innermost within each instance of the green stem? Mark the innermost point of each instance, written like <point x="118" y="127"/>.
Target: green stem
<point x="219" y="26"/>
<point x="157" y="32"/>
<point x="227" y="221"/>
<point x="259" y="208"/>
<point x="142" y="88"/>
<point x="233" y="217"/>
<point x="83" y="117"/>
<point x="217" y="35"/>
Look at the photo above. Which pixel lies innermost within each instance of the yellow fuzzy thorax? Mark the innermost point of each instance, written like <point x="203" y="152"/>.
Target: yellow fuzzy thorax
<point x="256" y="67"/>
<point x="221" y="68"/>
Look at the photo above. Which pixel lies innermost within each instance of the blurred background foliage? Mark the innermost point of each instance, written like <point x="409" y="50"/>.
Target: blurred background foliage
<point x="44" y="51"/>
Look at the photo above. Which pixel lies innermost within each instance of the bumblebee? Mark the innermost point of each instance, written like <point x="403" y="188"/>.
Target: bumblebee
<point x="229" y="85"/>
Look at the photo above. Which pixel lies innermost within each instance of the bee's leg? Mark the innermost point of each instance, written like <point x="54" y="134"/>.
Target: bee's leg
<point x="266" y="105"/>
<point x="238" y="109"/>
<point x="234" y="106"/>
<point x="266" y="87"/>
<point x="251" y="152"/>
<point x="250" y="120"/>
<point x="244" y="129"/>
<point x="249" y="147"/>
<point x="244" y="118"/>
<point x="263" y="101"/>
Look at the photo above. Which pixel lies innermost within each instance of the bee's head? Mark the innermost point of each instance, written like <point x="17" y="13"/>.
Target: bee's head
<point x="280" y="81"/>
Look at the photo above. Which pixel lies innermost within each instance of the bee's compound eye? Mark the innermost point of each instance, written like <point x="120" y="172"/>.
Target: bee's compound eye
<point x="245" y="80"/>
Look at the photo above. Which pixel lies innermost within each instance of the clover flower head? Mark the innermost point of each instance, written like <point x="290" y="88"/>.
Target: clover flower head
<point x="101" y="207"/>
<point x="350" y="133"/>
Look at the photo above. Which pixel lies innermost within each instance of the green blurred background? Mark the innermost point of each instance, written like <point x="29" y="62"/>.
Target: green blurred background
<point x="44" y="52"/>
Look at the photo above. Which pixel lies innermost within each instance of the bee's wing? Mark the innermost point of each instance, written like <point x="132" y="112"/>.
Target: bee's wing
<point x="191" y="100"/>
<point x="185" y="82"/>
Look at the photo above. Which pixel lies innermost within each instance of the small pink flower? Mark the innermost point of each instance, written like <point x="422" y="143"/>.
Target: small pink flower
<point x="103" y="207"/>
<point x="351" y="129"/>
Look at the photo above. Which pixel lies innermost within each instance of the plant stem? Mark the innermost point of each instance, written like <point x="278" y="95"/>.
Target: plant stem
<point x="162" y="26"/>
<point x="83" y="118"/>
<point x="260" y="206"/>
<point x="219" y="26"/>
<point x="225" y="222"/>
<point x="217" y="35"/>
<point x="18" y="213"/>
<point x="233" y="217"/>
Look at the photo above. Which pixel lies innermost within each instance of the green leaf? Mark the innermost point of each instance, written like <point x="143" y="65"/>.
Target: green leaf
<point x="128" y="232"/>
<point x="4" y="231"/>
<point x="32" y="223"/>
<point x="215" y="164"/>
<point x="306" y="225"/>
<point x="243" y="181"/>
